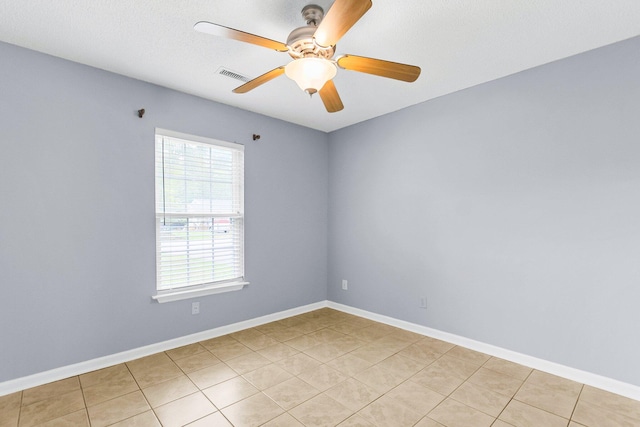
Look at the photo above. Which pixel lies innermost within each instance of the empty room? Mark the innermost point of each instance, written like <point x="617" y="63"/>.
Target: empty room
<point x="333" y="213"/>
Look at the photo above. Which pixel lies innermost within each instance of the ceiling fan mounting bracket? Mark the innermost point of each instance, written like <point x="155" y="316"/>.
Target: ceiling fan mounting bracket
<point x="312" y="14"/>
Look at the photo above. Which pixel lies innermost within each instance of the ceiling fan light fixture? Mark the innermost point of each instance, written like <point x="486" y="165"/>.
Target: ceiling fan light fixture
<point x="310" y="74"/>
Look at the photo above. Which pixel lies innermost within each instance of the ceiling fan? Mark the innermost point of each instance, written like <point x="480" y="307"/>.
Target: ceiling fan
<point x="312" y="48"/>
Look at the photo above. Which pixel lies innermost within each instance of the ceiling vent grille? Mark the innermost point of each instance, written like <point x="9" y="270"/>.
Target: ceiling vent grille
<point x="232" y="74"/>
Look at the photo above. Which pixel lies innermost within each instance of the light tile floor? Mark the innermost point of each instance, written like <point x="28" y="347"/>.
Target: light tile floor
<point x="323" y="368"/>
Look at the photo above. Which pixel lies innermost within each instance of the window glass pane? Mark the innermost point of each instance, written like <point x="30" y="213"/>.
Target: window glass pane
<point x="199" y="212"/>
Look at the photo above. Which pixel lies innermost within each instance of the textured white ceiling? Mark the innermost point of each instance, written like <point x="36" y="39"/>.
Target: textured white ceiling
<point x="457" y="43"/>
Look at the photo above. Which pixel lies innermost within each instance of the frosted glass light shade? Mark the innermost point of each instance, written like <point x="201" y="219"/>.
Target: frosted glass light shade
<point x="310" y="73"/>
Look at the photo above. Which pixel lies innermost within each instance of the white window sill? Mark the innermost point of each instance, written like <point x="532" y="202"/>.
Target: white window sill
<point x="180" y="294"/>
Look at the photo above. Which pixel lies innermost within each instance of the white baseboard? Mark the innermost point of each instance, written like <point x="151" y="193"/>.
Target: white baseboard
<point x="598" y="381"/>
<point x="594" y="380"/>
<point x="41" y="378"/>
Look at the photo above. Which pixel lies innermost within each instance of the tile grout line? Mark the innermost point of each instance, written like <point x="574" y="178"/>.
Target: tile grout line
<point x="575" y="406"/>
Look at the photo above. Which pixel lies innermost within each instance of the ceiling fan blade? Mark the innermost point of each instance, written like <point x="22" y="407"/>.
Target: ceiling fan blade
<point x="330" y="97"/>
<point x="230" y="33"/>
<point x="252" y="84"/>
<point x="340" y="17"/>
<point x="379" y="67"/>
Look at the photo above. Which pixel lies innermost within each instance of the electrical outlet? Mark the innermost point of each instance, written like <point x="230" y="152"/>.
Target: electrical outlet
<point x="195" y="308"/>
<point x="423" y="302"/>
<point x="345" y="285"/>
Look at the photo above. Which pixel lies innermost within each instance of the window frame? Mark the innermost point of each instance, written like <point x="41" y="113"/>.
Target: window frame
<point x="192" y="291"/>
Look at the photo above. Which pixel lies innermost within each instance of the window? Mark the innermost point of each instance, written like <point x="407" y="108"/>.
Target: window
<point x="199" y="216"/>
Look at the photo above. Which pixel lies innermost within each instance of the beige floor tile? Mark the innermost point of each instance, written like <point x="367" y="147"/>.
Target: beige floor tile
<point x="285" y="334"/>
<point x="187" y="350"/>
<point x="270" y="327"/>
<point x="247" y="362"/>
<point x="455" y="414"/>
<point x="321" y="411"/>
<point x="496" y="381"/>
<point x="51" y="408"/>
<point x="246" y="334"/>
<point x="355" y="421"/>
<point x="349" y="364"/>
<point x="74" y="419"/>
<point x="324" y="352"/>
<point x="416" y="397"/>
<point x="571" y="424"/>
<point x="420" y="354"/>
<point x="10" y="409"/>
<point x="387" y="412"/>
<point x="267" y="376"/>
<point x="554" y="400"/>
<point x="522" y="415"/>
<point x="402" y="366"/>
<point x="147" y="374"/>
<point x="298" y="363"/>
<point x="594" y="416"/>
<point x="401" y="337"/>
<point x="346" y="328"/>
<point x="148" y="362"/>
<point x="373" y="332"/>
<point x="184" y="410"/>
<point x="230" y="350"/>
<point x="284" y="420"/>
<point x="212" y="375"/>
<point x="218" y="342"/>
<point x="301" y="342"/>
<point x="278" y="352"/>
<point x="434" y="344"/>
<point x="468" y="355"/>
<point x="479" y="398"/>
<point x="253" y="411"/>
<point x="214" y="420"/>
<point x="323" y="377"/>
<point x="168" y="391"/>
<point x="291" y="393"/>
<point x="611" y="402"/>
<point x="197" y="361"/>
<point x="146" y="419"/>
<point x="259" y="342"/>
<point x="374" y="353"/>
<point x="438" y="379"/>
<point x="353" y="394"/>
<point x="325" y="336"/>
<point x="462" y="368"/>
<point x="111" y="384"/>
<point x="46" y="391"/>
<point x="379" y="379"/>
<point x="347" y="343"/>
<point x="230" y="392"/>
<point x="500" y="423"/>
<point x="118" y="409"/>
<point x="553" y="382"/>
<point x="508" y="368"/>
<point x="307" y="327"/>
<point x="97" y="377"/>
<point x="428" y="422"/>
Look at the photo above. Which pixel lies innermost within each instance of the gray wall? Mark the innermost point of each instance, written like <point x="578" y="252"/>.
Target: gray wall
<point x="514" y="206"/>
<point x="77" y="236"/>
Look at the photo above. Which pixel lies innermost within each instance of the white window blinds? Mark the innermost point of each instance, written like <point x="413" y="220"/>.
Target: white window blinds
<point x="199" y="211"/>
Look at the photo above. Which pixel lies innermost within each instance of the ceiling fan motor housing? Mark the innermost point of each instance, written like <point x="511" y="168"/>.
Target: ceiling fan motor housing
<point x="300" y="41"/>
